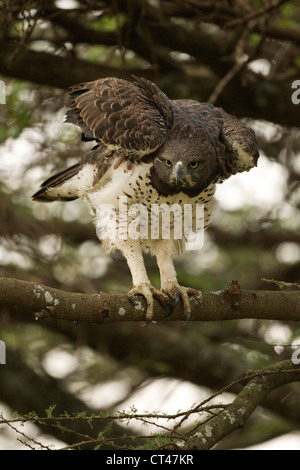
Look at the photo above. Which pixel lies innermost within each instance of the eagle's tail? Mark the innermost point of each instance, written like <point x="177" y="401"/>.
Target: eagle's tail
<point x="65" y="184"/>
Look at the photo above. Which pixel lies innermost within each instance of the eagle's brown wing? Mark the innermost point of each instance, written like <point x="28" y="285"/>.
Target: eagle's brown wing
<point x="132" y="118"/>
<point x="241" y="146"/>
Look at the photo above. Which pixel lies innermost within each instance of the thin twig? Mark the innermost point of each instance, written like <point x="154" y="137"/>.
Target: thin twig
<point x="224" y="82"/>
<point x="240" y="61"/>
<point x="281" y="284"/>
<point x="255" y="14"/>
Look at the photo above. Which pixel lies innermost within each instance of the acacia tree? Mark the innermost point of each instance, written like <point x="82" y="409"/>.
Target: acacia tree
<point x="243" y="56"/>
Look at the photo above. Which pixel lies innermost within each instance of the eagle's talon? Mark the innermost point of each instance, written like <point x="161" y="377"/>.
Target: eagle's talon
<point x="188" y="318"/>
<point x="132" y="299"/>
<point x="161" y="297"/>
<point x="170" y="309"/>
<point x="173" y="299"/>
<point x="148" y="292"/>
<point x="197" y="294"/>
<point x="176" y="298"/>
<point x="175" y="292"/>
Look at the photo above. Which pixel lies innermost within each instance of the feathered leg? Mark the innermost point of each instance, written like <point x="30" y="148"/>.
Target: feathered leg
<point x="132" y="251"/>
<point x="164" y="251"/>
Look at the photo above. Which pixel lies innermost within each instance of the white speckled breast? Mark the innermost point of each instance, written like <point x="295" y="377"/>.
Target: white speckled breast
<point x="125" y="188"/>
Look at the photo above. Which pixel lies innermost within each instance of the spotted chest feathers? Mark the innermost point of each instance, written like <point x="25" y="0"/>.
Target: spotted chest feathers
<point x="140" y="212"/>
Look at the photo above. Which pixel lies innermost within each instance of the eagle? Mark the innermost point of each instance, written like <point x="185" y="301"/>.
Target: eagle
<point x="149" y="152"/>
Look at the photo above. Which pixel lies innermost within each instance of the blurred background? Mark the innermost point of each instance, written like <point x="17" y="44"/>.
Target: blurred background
<point x="241" y="55"/>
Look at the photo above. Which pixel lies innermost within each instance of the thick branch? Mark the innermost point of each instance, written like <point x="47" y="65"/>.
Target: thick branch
<point x="109" y="308"/>
<point x="79" y="33"/>
<point x="34" y="66"/>
<point x="237" y="413"/>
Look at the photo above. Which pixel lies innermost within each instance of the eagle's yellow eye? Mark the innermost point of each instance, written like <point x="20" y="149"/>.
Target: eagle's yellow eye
<point x="194" y="164"/>
<point x="168" y="163"/>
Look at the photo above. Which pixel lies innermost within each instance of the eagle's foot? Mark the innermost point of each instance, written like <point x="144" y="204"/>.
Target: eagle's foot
<point x="148" y="292"/>
<point x="176" y="291"/>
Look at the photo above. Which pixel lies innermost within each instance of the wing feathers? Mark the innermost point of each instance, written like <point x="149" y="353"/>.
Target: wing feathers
<point x="44" y="195"/>
<point x="133" y="118"/>
<point x="240" y="143"/>
<point x="75" y="181"/>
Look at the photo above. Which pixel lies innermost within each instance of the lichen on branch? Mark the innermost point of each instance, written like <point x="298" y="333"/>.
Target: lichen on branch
<point x="99" y="308"/>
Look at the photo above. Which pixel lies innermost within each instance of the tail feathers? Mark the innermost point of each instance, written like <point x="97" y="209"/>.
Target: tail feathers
<point x="59" y="186"/>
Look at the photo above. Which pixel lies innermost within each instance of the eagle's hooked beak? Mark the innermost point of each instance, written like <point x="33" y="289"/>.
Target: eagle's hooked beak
<point x="178" y="172"/>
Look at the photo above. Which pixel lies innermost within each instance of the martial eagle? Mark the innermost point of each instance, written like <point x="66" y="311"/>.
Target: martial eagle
<point x="155" y="152"/>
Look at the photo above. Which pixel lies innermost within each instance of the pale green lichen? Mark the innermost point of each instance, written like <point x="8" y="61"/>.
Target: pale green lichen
<point x="231" y="418"/>
<point x="73" y="306"/>
<point x="208" y="431"/>
<point x="38" y="291"/>
<point x="198" y="435"/>
<point x="122" y="311"/>
<point x="48" y="297"/>
<point x="138" y="306"/>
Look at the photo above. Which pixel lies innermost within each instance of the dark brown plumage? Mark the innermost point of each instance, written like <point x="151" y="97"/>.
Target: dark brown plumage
<point x="133" y="118"/>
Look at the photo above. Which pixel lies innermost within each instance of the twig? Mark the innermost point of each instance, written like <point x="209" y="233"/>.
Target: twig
<point x="240" y="62"/>
<point x="256" y="386"/>
<point x="224" y="82"/>
<point x="117" y="416"/>
<point x="255" y="14"/>
<point x="281" y="284"/>
<point x="14" y="428"/>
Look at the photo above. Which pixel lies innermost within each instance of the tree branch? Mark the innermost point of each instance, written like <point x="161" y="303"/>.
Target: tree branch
<point x="211" y="363"/>
<point x="65" y="71"/>
<point x="237" y="413"/>
<point x="42" y="392"/>
<point x="232" y="303"/>
<point x="256" y="14"/>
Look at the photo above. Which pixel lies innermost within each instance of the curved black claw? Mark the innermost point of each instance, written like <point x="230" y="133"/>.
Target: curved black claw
<point x="188" y="318"/>
<point x="133" y="300"/>
<point x="172" y="303"/>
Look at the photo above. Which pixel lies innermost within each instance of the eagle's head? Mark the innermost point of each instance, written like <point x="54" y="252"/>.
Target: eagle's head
<point x="188" y="162"/>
